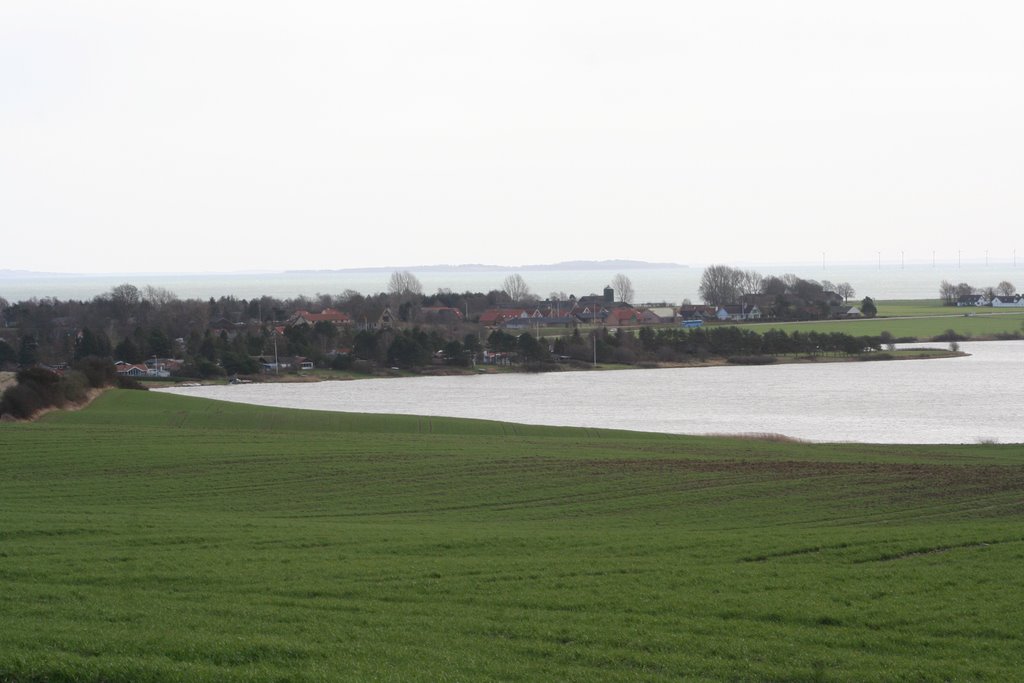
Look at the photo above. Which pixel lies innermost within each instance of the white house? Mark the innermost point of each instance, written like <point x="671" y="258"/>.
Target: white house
<point x="972" y="300"/>
<point x="1015" y="301"/>
<point x="738" y="312"/>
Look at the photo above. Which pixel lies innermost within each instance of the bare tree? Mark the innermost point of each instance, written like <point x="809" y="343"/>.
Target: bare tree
<point x="720" y="285"/>
<point x="623" y="288"/>
<point x="828" y="286"/>
<point x="750" y="282"/>
<point x="1006" y="288"/>
<point x="158" y="296"/>
<point x="516" y="288"/>
<point x="947" y="291"/>
<point x="403" y="282"/>
<point x="845" y="290"/>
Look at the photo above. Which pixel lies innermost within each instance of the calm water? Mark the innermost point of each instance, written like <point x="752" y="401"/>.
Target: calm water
<point x="957" y="400"/>
<point x="887" y="281"/>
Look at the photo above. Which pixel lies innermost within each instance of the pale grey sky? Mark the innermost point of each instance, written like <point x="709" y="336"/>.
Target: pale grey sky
<point x="200" y="135"/>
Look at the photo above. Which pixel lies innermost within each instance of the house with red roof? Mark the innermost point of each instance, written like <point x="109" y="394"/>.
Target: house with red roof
<point x="328" y="315"/>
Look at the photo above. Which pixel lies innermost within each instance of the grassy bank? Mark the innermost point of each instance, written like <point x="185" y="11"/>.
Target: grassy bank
<point x="156" y="537"/>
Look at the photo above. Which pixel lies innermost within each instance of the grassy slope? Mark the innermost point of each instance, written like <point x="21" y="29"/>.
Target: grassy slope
<point x="155" y="537"/>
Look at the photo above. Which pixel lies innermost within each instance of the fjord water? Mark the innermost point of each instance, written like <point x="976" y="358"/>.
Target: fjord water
<point x="955" y="400"/>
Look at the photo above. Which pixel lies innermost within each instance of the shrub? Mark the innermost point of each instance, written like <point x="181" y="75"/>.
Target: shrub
<point x="21" y="401"/>
<point x="751" y="360"/>
<point x="624" y="356"/>
<point x="46" y="383"/>
<point x="949" y="336"/>
<point x="130" y="383"/>
<point x="363" y="367"/>
<point x="342" y="361"/>
<point x="75" y="386"/>
<point x="99" y="372"/>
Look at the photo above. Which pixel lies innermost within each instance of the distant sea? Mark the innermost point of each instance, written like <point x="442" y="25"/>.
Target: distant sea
<point x="652" y="284"/>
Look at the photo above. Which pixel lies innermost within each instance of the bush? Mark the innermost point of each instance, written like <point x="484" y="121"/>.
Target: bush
<point x="21" y="401"/>
<point x="207" y="368"/>
<point x="130" y="383"/>
<point x="751" y="360"/>
<point x="99" y="372"/>
<point x="46" y="383"/>
<point x="342" y="361"/>
<point x="75" y="386"/>
<point x="38" y="389"/>
<point x="363" y="367"/>
<point x="624" y="356"/>
<point x="949" y="336"/>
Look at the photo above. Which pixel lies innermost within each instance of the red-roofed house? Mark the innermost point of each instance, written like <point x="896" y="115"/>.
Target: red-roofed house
<point x="328" y="315"/>
<point x="494" y="317"/>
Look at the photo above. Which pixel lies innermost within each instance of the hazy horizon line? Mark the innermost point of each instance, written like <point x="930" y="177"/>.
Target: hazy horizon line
<point x="610" y="264"/>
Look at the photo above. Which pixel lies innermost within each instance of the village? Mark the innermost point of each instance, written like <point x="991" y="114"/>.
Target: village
<point x="151" y="334"/>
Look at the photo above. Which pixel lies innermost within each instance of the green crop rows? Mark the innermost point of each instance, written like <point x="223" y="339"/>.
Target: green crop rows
<point x="159" y="538"/>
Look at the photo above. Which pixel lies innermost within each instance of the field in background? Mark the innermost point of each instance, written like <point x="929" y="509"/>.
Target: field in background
<point x="979" y="325"/>
<point x="928" y="318"/>
<point x="901" y="307"/>
<point x="918" y="318"/>
<point x="157" y="537"/>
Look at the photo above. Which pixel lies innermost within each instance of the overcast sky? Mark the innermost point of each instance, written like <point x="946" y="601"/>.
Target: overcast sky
<point x="200" y="135"/>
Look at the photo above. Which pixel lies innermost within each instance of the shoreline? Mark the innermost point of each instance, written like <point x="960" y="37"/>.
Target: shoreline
<point x="309" y="377"/>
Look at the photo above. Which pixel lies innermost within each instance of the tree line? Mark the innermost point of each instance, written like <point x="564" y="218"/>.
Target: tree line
<point x="788" y="296"/>
<point x="950" y="293"/>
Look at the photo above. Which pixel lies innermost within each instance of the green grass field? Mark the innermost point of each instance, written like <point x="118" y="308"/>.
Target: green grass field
<point x="160" y="538"/>
<point x="921" y="319"/>
<point x="902" y="307"/>
<point x="918" y="318"/>
<point x="979" y="326"/>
